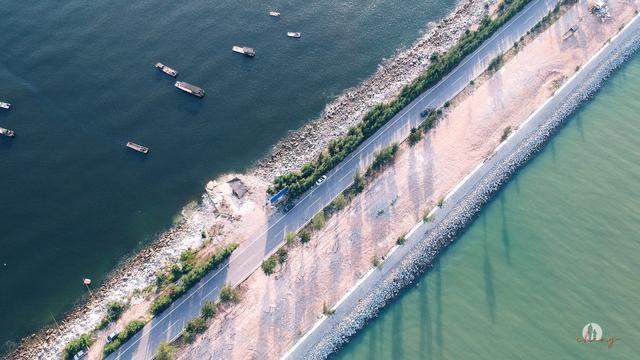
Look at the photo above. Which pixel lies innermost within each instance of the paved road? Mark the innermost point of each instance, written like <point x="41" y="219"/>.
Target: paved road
<point x="248" y="257"/>
<point x="569" y="93"/>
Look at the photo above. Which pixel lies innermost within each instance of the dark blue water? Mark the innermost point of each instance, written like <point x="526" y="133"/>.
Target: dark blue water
<point x="80" y="75"/>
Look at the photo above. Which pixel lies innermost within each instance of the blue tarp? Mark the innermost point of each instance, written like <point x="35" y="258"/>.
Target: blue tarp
<point x="277" y="197"/>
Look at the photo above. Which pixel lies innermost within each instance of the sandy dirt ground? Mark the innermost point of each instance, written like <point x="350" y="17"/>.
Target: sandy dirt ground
<point x="275" y="311"/>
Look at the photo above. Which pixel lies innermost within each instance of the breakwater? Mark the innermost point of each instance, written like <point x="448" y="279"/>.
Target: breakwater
<point x="426" y="241"/>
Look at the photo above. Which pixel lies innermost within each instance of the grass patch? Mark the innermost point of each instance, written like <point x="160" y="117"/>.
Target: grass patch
<point x="382" y="158"/>
<point x="318" y="220"/>
<point x="414" y="136"/>
<point x="304" y="236"/>
<point x="326" y="310"/>
<point x="505" y="133"/>
<point x="195" y="326"/>
<point x="269" y="265"/>
<point x="209" y="310"/>
<point x="114" y="311"/>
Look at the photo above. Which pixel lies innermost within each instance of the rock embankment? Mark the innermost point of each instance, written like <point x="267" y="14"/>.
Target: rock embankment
<point x="425" y="251"/>
<point x="305" y="144"/>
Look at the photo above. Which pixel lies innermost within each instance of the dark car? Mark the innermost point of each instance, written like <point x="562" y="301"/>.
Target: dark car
<point x="426" y="112"/>
<point x="287" y="207"/>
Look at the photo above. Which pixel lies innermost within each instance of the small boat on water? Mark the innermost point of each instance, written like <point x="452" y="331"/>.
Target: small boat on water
<point x="138" y="148"/>
<point x="247" y="51"/>
<point x="294" y="34"/>
<point x="4" y="105"/>
<point x="274" y="13"/>
<point x="7" y="132"/>
<point x="167" y="70"/>
<point x="191" y="89"/>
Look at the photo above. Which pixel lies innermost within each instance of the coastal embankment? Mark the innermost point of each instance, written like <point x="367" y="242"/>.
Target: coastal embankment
<point x="426" y="240"/>
<point x="136" y="274"/>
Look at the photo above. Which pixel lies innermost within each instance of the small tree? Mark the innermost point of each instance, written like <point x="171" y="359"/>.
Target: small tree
<point x="269" y="265"/>
<point x="401" y="240"/>
<point x="165" y="351"/>
<point x="209" y="309"/>
<point x="339" y="202"/>
<point x="228" y="294"/>
<point x="326" y="310"/>
<point x="414" y="136"/>
<point x="376" y="261"/>
<point x="281" y="254"/>
<point x="304" y="236"/>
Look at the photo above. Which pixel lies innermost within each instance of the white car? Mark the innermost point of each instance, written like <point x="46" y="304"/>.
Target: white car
<point x="321" y="180"/>
<point x="112" y="336"/>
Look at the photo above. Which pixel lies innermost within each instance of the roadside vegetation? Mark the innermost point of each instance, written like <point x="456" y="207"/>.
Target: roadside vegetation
<point x="338" y="149"/>
<point x="114" y="311"/>
<point x="131" y="329"/>
<point x="187" y="274"/>
<point x="76" y="345"/>
<point x="165" y="351"/>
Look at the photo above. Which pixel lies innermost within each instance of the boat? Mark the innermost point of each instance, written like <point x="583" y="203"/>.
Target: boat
<point x="250" y="52"/>
<point x="294" y="34"/>
<point x="4" y="105"/>
<point x="274" y="13"/>
<point x="137" y="147"/>
<point x="191" y="89"/>
<point x="167" y="70"/>
<point x="7" y="132"/>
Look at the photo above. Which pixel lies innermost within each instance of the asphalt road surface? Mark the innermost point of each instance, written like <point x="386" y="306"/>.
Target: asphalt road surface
<point x="247" y="258"/>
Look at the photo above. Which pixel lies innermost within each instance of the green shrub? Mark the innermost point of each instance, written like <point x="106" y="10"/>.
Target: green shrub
<point x="195" y="273"/>
<point x="290" y="238"/>
<point x="228" y="294"/>
<point x="401" y="240"/>
<point x="376" y="262"/>
<point x="209" y="310"/>
<point x="326" y="310"/>
<point x="495" y="63"/>
<point x="358" y="183"/>
<point x="446" y="104"/>
<point x="195" y="326"/>
<point x="382" y="158"/>
<point x="114" y="311"/>
<point x="505" y="133"/>
<point x="281" y="255"/>
<point x="74" y="346"/>
<point x="165" y="351"/>
<point x="440" y="202"/>
<point x="304" y="236"/>
<point x="269" y="265"/>
<point x="318" y="220"/>
<point x="414" y="136"/>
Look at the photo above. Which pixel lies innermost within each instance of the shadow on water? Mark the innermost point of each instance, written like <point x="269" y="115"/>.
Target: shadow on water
<point x="506" y="240"/>
<point x="488" y="274"/>
<point x="397" y="348"/>
<point x="425" y="321"/>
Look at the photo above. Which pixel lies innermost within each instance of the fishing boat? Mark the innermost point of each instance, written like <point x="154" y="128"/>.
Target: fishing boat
<point x="191" y="89"/>
<point x="247" y="51"/>
<point x="138" y="148"/>
<point x="294" y="34"/>
<point x="7" y="132"/>
<point x="167" y="70"/>
<point x="274" y="13"/>
<point x="4" y="105"/>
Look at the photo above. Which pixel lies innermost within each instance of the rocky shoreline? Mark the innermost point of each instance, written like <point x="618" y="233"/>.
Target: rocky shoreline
<point x="426" y="250"/>
<point x="138" y="272"/>
<point x="305" y="144"/>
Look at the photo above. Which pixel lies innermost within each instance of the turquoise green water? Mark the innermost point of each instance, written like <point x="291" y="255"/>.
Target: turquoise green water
<point x="556" y="249"/>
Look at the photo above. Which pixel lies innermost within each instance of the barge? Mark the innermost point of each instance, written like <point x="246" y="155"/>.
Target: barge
<point x="247" y="51"/>
<point x="7" y="132"/>
<point x="191" y="89"/>
<point x="137" y="147"/>
<point x="167" y="70"/>
<point x="294" y="35"/>
<point x="5" y="105"/>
